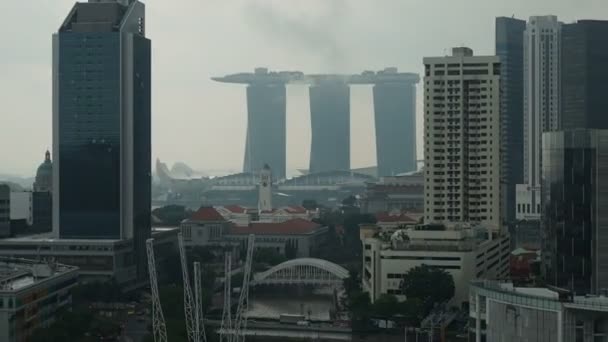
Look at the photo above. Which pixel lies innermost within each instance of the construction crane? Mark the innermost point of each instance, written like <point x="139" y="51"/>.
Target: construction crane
<point x="240" y="322"/>
<point x="159" y="327"/>
<point x="199" y="331"/>
<point x="188" y="298"/>
<point x="226" y="315"/>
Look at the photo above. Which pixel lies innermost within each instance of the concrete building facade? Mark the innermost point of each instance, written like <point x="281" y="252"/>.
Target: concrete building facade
<point x="502" y="312"/>
<point x="97" y="259"/>
<point x="464" y="253"/>
<point x="399" y="193"/>
<point x="31" y="293"/>
<point x="207" y="227"/>
<point x="462" y="139"/>
<point x="542" y="55"/>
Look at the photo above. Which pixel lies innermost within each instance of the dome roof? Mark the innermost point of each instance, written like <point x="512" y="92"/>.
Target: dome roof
<point x="44" y="175"/>
<point x="46" y="168"/>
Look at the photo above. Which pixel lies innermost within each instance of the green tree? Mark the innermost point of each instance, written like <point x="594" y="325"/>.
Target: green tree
<point x="428" y="284"/>
<point x="386" y="306"/>
<point x="352" y="284"/>
<point x="172" y="215"/>
<point x="268" y="256"/>
<point x="352" y="240"/>
<point x="310" y="204"/>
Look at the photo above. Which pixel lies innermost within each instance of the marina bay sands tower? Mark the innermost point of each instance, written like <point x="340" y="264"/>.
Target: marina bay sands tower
<point x="266" y="119"/>
<point x="330" y="125"/>
<point x="395" y="123"/>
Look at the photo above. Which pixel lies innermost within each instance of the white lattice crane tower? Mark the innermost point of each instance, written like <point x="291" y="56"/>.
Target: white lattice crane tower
<point x="240" y="321"/>
<point x="188" y="298"/>
<point x="226" y="315"/>
<point x="159" y="327"/>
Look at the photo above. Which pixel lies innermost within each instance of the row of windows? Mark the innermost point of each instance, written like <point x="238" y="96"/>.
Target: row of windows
<point x="525" y="208"/>
<point x="400" y="257"/>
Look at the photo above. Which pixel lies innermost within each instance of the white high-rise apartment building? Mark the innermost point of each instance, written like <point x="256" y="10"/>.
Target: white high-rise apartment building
<point x="541" y="106"/>
<point x="462" y="139"/>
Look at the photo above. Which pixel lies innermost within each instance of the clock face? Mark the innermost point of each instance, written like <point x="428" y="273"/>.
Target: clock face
<point x="264" y="184"/>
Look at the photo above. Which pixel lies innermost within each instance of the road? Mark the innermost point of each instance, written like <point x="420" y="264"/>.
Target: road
<point x="136" y="326"/>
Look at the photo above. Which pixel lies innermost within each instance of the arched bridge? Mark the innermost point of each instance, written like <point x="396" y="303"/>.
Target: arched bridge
<point x="307" y="271"/>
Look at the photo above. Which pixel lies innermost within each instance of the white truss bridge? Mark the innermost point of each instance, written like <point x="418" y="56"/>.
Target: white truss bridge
<point x="306" y="271"/>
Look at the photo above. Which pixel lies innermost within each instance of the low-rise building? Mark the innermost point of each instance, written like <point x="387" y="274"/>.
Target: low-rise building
<point x="396" y="219"/>
<point x="465" y="253"/>
<point x="207" y="227"/>
<point x="21" y="207"/>
<point x="31" y="293"/>
<point x="503" y="312"/>
<point x="98" y="260"/>
<point x="402" y="193"/>
<point x="288" y="213"/>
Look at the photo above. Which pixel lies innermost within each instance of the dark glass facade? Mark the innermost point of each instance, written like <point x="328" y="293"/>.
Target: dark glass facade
<point x="102" y="125"/>
<point x="42" y="211"/>
<point x="395" y="120"/>
<point x="89" y="135"/>
<point x="575" y="222"/>
<point x="266" y="129"/>
<point x="510" y="49"/>
<point x="330" y="121"/>
<point x="142" y="153"/>
<point x="584" y="75"/>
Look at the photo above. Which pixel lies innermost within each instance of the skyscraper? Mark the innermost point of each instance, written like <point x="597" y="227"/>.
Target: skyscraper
<point x="101" y="124"/>
<point x="510" y="49"/>
<point x="462" y="139"/>
<point x="575" y="222"/>
<point x="541" y="105"/>
<point x="395" y="121"/>
<point x="330" y="123"/>
<point x="584" y="75"/>
<point x="5" y="210"/>
<point x="266" y="128"/>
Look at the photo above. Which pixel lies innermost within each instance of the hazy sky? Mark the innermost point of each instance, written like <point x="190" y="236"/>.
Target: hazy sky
<point x="203" y="123"/>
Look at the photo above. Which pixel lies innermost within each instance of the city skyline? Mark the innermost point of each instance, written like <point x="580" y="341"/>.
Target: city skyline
<point x="323" y="37"/>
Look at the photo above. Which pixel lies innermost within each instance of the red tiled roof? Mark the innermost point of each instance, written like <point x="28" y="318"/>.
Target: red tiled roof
<point x="291" y="227"/>
<point x="295" y="210"/>
<point x="386" y="217"/>
<point x="237" y="209"/>
<point x="206" y="214"/>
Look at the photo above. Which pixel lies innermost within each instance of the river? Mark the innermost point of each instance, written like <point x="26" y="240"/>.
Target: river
<point x="314" y="306"/>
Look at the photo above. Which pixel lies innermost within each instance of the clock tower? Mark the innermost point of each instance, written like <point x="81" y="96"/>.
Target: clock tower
<point x="265" y="196"/>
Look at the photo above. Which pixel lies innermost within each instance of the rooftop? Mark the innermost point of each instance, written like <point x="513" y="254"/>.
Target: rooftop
<point x="18" y="274"/>
<point x="291" y="227"/>
<point x="264" y="76"/>
<point x="394" y="217"/>
<point x="236" y="209"/>
<point x="207" y="214"/>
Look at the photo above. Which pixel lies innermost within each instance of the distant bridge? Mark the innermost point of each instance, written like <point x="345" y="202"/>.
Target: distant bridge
<point x="306" y="271"/>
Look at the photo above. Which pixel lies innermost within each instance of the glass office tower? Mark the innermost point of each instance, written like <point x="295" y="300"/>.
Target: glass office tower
<point x="101" y="124"/>
<point x="510" y="49"/>
<point x="575" y="222"/>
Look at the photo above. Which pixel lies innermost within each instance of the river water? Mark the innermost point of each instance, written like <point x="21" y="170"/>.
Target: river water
<point x="314" y="307"/>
